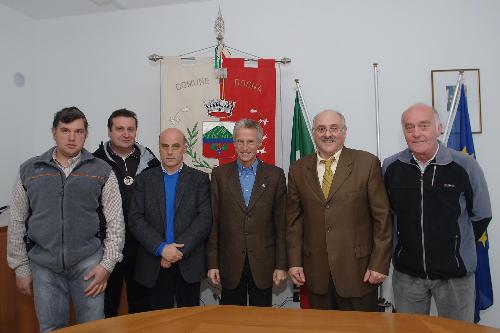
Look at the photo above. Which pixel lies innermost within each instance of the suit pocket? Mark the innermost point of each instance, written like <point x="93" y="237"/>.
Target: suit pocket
<point x="362" y="251"/>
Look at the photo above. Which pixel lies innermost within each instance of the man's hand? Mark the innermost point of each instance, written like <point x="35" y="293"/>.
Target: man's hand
<point x="279" y="275"/>
<point x="373" y="277"/>
<point x="100" y="279"/>
<point x="24" y="285"/>
<point x="213" y="275"/>
<point x="171" y="254"/>
<point x="297" y="274"/>
<point x="165" y="263"/>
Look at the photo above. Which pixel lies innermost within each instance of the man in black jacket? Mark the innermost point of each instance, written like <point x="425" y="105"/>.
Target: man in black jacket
<point x="440" y="207"/>
<point x="128" y="159"/>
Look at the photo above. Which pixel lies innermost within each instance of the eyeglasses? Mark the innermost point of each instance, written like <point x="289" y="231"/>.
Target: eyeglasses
<point x="332" y="129"/>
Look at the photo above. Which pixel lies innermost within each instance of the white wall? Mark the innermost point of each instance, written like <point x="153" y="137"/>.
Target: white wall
<point x="98" y="62"/>
<point x="16" y="103"/>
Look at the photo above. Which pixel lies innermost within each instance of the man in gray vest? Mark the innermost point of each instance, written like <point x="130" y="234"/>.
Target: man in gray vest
<point x="53" y="236"/>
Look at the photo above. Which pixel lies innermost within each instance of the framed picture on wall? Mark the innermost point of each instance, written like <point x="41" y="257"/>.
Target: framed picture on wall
<point x="443" y="86"/>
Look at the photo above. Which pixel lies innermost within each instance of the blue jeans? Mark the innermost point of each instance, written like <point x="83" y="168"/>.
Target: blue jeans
<point x="53" y="291"/>
<point x="455" y="298"/>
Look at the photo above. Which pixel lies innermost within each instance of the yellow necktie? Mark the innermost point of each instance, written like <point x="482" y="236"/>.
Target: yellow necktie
<point x="327" y="177"/>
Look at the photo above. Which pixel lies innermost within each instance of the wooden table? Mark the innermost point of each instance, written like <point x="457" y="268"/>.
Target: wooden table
<point x="222" y="319"/>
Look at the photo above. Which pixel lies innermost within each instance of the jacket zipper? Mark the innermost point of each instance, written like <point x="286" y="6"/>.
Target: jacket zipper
<point x="400" y="248"/>
<point x="422" y="217"/>
<point x="456" y="249"/>
<point x="422" y="220"/>
<point x="63" y="180"/>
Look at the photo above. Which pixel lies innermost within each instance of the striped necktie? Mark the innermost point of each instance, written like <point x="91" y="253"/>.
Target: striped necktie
<point x="327" y="177"/>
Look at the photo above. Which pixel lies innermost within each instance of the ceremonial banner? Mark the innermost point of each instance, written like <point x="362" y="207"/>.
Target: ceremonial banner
<point x="254" y="91"/>
<point x="206" y="108"/>
<point x="185" y="87"/>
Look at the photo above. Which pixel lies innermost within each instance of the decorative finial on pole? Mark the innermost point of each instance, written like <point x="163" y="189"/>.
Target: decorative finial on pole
<point x="219" y="28"/>
<point x="155" y="57"/>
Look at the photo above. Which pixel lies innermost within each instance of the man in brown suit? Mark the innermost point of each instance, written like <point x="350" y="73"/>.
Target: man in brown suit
<point x="338" y="221"/>
<point x="246" y="250"/>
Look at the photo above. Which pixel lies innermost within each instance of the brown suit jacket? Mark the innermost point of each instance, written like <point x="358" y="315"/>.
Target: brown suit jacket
<point x="344" y="234"/>
<point x="257" y="230"/>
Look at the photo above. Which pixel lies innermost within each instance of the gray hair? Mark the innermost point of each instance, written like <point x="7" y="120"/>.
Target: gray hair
<point x="342" y="118"/>
<point x="421" y="105"/>
<point x="250" y="124"/>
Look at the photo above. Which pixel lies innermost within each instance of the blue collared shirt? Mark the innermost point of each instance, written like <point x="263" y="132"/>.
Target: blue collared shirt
<point x="247" y="179"/>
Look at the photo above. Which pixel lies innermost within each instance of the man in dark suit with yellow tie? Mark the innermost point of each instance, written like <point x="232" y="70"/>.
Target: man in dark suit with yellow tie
<point x="246" y="250"/>
<point x="338" y="221"/>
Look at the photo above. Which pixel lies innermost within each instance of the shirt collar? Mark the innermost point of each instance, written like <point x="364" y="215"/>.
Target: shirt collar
<point x="133" y="153"/>
<point x="71" y="161"/>
<point x="252" y="168"/>
<point x="336" y="156"/>
<point x="172" y="173"/>
<point x="424" y="165"/>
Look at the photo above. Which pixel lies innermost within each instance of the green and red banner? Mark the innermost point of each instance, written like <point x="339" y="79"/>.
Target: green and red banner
<point x="207" y="115"/>
<point x="253" y="89"/>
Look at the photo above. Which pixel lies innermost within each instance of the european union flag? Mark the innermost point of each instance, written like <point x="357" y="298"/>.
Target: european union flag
<point x="461" y="139"/>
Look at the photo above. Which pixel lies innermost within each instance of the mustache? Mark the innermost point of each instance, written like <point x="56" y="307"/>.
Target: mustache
<point x="329" y="138"/>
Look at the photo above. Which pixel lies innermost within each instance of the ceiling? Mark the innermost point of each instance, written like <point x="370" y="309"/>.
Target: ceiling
<point x="44" y="9"/>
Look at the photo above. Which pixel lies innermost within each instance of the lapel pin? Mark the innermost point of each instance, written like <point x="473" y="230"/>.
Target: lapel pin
<point x="263" y="185"/>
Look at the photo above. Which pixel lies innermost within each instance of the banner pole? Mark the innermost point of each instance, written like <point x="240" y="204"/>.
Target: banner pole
<point x="377" y="107"/>
<point x="304" y="107"/>
<point x="453" y="108"/>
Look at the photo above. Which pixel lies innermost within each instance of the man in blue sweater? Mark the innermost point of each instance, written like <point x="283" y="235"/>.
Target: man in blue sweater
<point x="170" y="216"/>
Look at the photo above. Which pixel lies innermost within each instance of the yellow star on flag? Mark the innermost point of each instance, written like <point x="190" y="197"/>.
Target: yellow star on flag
<point x="464" y="151"/>
<point x="483" y="239"/>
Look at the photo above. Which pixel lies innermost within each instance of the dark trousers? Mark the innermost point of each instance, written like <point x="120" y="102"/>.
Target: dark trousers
<point x="333" y="301"/>
<point x="137" y="296"/>
<point x="238" y="296"/>
<point x="171" y="285"/>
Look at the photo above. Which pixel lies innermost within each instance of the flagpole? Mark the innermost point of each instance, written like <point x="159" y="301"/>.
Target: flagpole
<point x="382" y="302"/>
<point x="453" y="108"/>
<point x="377" y="106"/>
<point x="301" y="100"/>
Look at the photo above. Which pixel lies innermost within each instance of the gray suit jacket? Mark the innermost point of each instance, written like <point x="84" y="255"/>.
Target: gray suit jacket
<point x="192" y="222"/>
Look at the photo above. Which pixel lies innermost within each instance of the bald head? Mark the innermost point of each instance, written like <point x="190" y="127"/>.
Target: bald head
<point x="421" y="107"/>
<point x="172" y="149"/>
<point x="173" y="132"/>
<point x="329" y="132"/>
<point x="326" y="113"/>
<point x="421" y="128"/>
